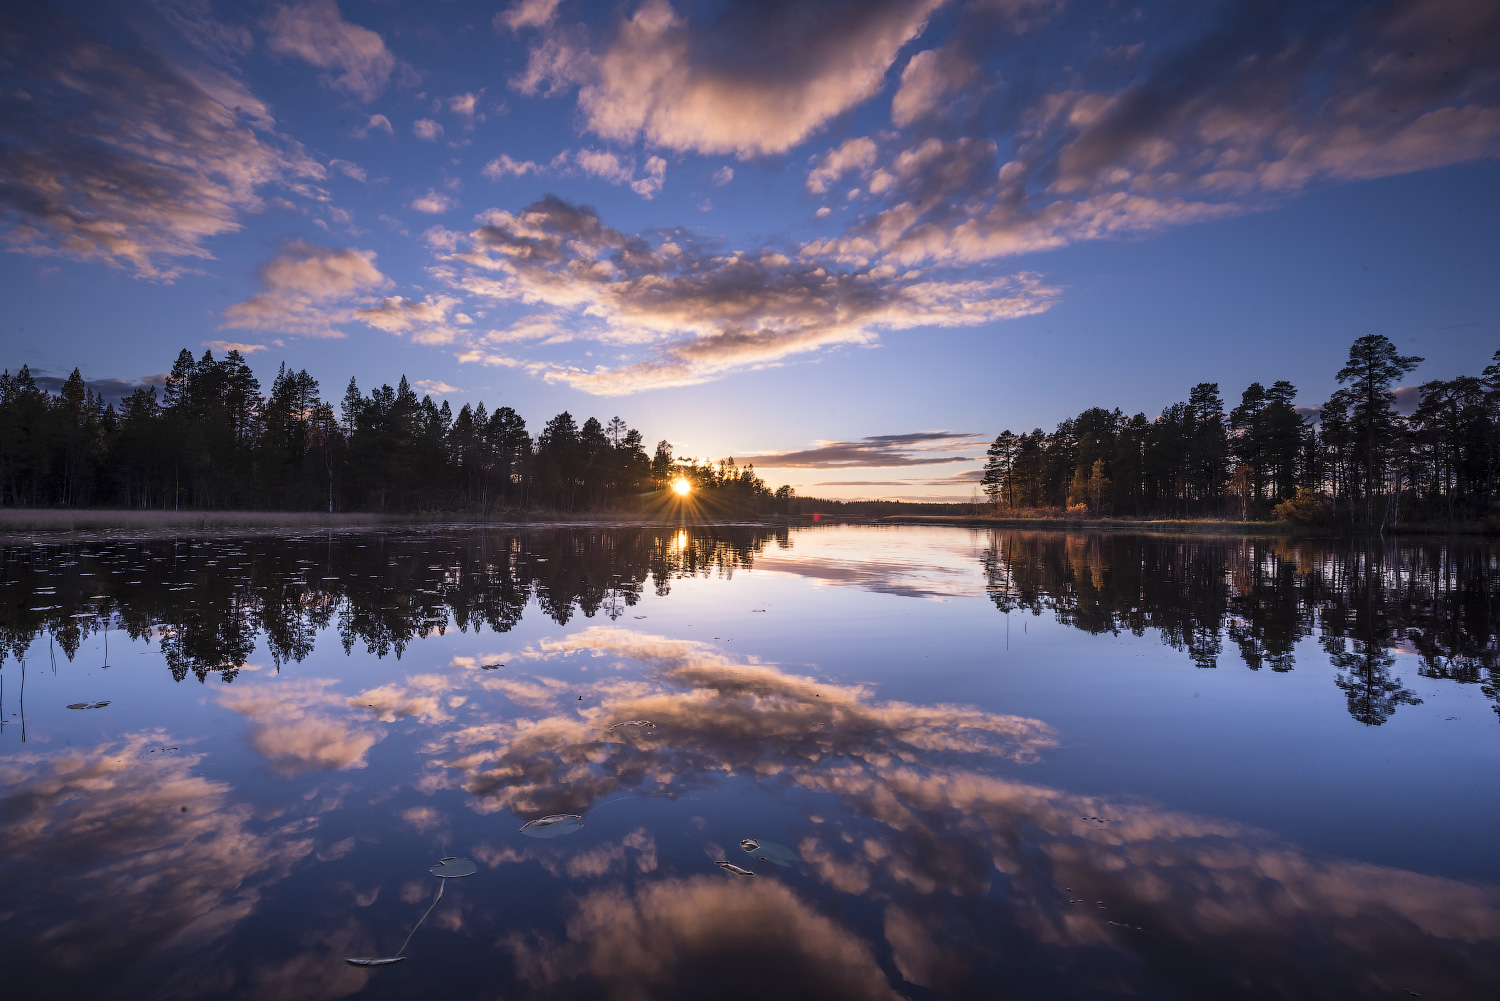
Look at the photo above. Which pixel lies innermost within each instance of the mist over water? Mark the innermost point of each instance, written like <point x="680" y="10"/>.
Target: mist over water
<point x="967" y="763"/>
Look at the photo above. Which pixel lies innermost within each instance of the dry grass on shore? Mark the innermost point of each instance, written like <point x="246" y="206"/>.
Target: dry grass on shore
<point x="83" y="520"/>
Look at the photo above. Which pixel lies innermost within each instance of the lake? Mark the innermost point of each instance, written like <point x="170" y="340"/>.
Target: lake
<point x="946" y="763"/>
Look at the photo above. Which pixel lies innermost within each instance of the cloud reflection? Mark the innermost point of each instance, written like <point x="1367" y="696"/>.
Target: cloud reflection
<point x="958" y="857"/>
<point x="115" y="859"/>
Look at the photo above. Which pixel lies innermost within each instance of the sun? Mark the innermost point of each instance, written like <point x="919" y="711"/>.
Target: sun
<point x="681" y="487"/>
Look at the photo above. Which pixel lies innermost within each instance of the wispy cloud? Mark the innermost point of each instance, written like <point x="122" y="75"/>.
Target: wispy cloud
<point x="920" y="448"/>
<point x="434" y="202"/>
<point x="357" y="61"/>
<point x="128" y="159"/>
<point x="1260" y="105"/>
<point x="242" y="348"/>
<point x="308" y="290"/>
<point x="702" y="312"/>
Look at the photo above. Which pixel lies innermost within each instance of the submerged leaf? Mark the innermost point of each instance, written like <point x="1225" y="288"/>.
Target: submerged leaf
<point x="375" y="961"/>
<point x="731" y="867"/>
<point x="552" y="827"/>
<point x="451" y="868"/>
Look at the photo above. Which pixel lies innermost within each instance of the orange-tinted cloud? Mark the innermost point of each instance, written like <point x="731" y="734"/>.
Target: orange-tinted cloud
<point x="296" y="725"/>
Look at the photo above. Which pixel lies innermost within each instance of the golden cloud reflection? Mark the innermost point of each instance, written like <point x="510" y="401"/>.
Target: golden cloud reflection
<point x="957" y="858"/>
<point x="293" y="726"/>
<point x="703" y="937"/>
<point x="726" y="717"/>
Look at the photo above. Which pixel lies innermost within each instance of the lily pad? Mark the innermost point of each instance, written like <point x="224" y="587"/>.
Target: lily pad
<point x="451" y="868"/>
<point x="375" y="961"/>
<point x="731" y="867"/>
<point x="555" y="826"/>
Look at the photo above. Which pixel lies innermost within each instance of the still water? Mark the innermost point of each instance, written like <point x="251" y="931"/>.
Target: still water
<point x="962" y="764"/>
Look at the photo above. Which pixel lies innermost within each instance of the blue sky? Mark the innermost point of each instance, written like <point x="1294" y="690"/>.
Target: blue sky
<point x="847" y="241"/>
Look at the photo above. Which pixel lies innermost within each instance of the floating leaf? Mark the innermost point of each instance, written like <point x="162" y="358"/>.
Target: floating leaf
<point x="79" y="705"/>
<point x="770" y="852"/>
<point x="452" y="868"/>
<point x="490" y="667"/>
<point x="555" y="826"/>
<point x="87" y="705"/>
<point x="375" y="961"/>
<point x="637" y="723"/>
<point x="731" y="867"/>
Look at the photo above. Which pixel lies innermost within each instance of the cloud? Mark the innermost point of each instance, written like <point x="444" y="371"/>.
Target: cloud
<point x="433" y="202"/>
<point x="428" y="321"/>
<point x="503" y="166"/>
<point x="527" y="14"/>
<point x="727" y="715"/>
<point x="307" y="289"/>
<point x="216" y="39"/>
<point x="377" y="123"/>
<point x="437" y="386"/>
<point x="608" y="167"/>
<point x="426" y="128"/>
<point x="244" y="349"/>
<point x="1257" y="106"/>
<point x="756" y="939"/>
<point x="293" y="728"/>
<point x="850" y="155"/>
<point x="929" y="77"/>
<point x="756" y="81"/>
<point x="724" y="175"/>
<point x="602" y="164"/>
<point x="123" y="158"/>
<point x="705" y="312"/>
<point x="126" y="856"/>
<point x="926" y="827"/>
<point x="349" y="169"/>
<point x="358" y="62"/>
<point x="464" y="104"/>
<point x="109" y="389"/>
<point x="888" y="450"/>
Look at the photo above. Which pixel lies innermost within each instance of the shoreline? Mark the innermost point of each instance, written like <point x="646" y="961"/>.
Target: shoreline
<point x="27" y="521"/>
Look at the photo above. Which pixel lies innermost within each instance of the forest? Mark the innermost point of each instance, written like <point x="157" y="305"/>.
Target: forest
<point x="211" y="440"/>
<point x="1356" y="459"/>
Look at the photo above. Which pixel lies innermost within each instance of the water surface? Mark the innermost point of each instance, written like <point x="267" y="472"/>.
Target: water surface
<point x="966" y="764"/>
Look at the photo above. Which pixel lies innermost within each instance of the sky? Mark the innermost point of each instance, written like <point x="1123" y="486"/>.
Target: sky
<point x="849" y="242"/>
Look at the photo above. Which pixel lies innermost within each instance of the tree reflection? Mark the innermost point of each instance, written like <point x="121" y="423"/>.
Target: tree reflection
<point x="1363" y="598"/>
<point x="207" y="601"/>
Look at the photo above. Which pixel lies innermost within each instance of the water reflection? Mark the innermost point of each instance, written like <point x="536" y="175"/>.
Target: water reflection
<point x="903" y="848"/>
<point x="1364" y="600"/>
<point x="208" y="600"/>
<point x="955" y="858"/>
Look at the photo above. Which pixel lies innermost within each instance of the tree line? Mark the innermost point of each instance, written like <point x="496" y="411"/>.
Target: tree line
<point x="211" y="440"/>
<point x="1357" y="461"/>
